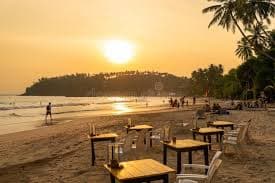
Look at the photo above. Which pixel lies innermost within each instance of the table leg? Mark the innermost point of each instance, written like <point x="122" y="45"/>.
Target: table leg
<point x="217" y="137"/>
<point x="93" y="152"/>
<point x="206" y="160"/>
<point x="178" y="162"/>
<point x="232" y="127"/>
<point x="190" y="157"/>
<point x="112" y="178"/>
<point x="151" y="144"/>
<point x="221" y="140"/>
<point x="209" y="140"/>
<point x="194" y="136"/>
<point x="164" y="154"/>
<point x="165" y="179"/>
<point x="204" y="138"/>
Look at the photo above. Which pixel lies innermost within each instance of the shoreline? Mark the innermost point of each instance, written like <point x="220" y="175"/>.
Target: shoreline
<point x="36" y="125"/>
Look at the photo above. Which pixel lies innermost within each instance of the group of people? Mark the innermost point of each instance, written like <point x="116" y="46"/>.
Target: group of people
<point x="181" y="102"/>
<point x="216" y="108"/>
<point x="260" y="103"/>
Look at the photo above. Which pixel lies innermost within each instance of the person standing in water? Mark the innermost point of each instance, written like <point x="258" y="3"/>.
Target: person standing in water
<point x="49" y="112"/>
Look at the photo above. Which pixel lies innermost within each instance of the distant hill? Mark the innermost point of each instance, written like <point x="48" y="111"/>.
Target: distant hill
<point x="128" y="83"/>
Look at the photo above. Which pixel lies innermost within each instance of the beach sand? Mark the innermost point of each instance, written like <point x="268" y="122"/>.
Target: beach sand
<point x="61" y="152"/>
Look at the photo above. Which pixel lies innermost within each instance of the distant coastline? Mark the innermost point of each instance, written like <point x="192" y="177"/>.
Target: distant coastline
<point x="129" y="83"/>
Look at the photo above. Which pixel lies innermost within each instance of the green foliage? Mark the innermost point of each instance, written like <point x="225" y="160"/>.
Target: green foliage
<point x="207" y="81"/>
<point x="252" y="14"/>
<point x="231" y="85"/>
<point x="129" y="83"/>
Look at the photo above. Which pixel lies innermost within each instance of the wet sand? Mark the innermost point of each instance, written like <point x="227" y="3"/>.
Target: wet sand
<point x="61" y="152"/>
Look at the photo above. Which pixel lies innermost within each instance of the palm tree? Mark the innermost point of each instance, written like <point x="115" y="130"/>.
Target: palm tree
<point x="227" y="14"/>
<point x="257" y="38"/>
<point x="244" y="51"/>
<point x="257" y="11"/>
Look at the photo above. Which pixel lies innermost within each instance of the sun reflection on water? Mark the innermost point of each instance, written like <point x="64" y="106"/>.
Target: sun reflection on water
<point x="121" y="108"/>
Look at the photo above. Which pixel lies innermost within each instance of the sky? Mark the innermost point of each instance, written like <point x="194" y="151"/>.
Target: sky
<point x="45" y="38"/>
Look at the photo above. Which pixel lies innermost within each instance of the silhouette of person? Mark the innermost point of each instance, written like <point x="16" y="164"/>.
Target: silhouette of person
<point x="48" y="112"/>
<point x="194" y="100"/>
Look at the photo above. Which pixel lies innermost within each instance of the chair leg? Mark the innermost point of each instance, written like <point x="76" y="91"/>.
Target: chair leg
<point x="239" y="152"/>
<point x="224" y="148"/>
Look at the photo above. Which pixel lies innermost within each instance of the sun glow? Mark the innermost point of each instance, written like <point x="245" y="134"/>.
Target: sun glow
<point x="118" y="51"/>
<point x="121" y="108"/>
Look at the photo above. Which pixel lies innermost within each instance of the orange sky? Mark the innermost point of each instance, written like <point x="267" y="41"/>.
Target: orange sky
<point x="48" y="38"/>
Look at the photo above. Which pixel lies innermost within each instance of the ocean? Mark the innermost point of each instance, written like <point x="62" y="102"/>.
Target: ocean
<point x="20" y="113"/>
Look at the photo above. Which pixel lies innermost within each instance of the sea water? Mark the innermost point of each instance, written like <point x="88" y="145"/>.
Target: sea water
<point x="19" y="113"/>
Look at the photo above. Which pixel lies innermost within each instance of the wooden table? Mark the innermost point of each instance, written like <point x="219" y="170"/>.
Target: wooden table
<point x="139" y="128"/>
<point x="138" y="171"/>
<point x="101" y="137"/>
<point x="187" y="145"/>
<point x="207" y="132"/>
<point x="221" y="124"/>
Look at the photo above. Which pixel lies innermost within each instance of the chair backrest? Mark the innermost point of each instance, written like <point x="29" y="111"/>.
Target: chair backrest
<point x="158" y="133"/>
<point x="141" y="140"/>
<point x="129" y="139"/>
<point x="216" y="156"/>
<point x="242" y="133"/>
<point x="166" y="132"/>
<point x="213" y="170"/>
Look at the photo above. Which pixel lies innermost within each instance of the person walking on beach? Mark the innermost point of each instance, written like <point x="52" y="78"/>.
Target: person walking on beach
<point x="48" y="112"/>
<point x="194" y="100"/>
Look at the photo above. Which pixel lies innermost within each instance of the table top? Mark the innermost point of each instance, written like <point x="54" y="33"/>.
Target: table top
<point x="139" y="169"/>
<point x="140" y="127"/>
<point x="207" y="130"/>
<point x="104" y="136"/>
<point x="186" y="144"/>
<point x="221" y="123"/>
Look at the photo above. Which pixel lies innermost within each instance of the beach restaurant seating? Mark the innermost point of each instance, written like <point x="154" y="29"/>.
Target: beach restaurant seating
<point x="142" y="143"/>
<point x="160" y="134"/>
<point x="129" y="145"/>
<point x="194" y="178"/>
<point x="134" y="145"/>
<point x="238" y="127"/>
<point x="200" y="166"/>
<point x="235" y="139"/>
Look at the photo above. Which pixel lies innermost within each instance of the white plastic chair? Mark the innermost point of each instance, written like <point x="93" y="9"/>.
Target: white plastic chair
<point x="235" y="139"/>
<point x="129" y="145"/>
<point x="142" y="142"/>
<point x="156" y="134"/>
<point x="205" y="167"/>
<point x="185" y="178"/>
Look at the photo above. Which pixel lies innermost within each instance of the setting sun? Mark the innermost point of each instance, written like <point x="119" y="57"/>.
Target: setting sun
<point x="118" y="51"/>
